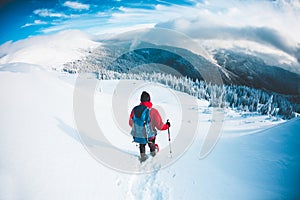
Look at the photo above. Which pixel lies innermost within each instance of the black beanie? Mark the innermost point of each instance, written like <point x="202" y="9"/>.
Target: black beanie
<point x="145" y="97"/>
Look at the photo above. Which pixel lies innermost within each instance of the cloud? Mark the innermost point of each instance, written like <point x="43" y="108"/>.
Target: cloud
<point x="264" y="35"/>
<point x="76" y="5"/>
<point x="49" y="13"/>
<point x="277" y="26"/>
<point x="220" y="20"/>
<point x="133" y="15"/>
<point x="36" y="22"/>
<point x="114" y="20"/>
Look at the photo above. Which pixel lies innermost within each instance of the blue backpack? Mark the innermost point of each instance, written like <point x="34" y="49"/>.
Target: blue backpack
<point x="141" y="128"/>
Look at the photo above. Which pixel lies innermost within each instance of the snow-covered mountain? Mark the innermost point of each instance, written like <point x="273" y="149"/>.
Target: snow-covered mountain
<point x="45" y="155"/>
<point x="253" y="71"/>
<point x="235" y="67"/>
<point x="50" y="51"/>
<point x="219" y="66"/>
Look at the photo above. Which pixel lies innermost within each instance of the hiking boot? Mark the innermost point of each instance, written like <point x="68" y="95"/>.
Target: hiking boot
<point x="143" y="157"/>
<point x="153" y="153"/>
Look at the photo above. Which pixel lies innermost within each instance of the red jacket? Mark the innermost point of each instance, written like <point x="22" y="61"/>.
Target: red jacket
<point x="155" y="118"/>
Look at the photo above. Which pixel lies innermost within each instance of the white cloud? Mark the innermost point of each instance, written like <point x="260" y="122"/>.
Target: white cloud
<point x="76" y="5"/>
<point x="36" y="22"/>
<point x="109" y="32"/>
<point x="111" y="21"/>
<point x="139" y="15"/>
<point x="48" y="13"/>
<point x="275" y="24"/>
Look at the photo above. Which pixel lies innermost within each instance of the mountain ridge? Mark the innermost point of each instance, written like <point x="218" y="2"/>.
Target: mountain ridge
<point x="234" y="67"/>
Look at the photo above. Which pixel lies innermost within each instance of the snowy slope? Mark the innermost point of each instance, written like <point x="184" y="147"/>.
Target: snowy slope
<point x="42" y="157"/>
<point x="49" y="51"/>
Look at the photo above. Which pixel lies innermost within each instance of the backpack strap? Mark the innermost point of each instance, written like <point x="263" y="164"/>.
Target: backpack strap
<point x="150" y="127"/>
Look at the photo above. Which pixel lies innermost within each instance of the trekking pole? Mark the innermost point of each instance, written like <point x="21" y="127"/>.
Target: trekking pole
<point x="169" y="137"/>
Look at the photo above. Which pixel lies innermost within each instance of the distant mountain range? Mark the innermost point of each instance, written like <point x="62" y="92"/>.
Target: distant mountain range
<point x="234" y="67"/>
<point x="254" y="72"/>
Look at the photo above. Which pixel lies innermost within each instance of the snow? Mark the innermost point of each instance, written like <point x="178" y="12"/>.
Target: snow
<point x="49" y="51"/>
<point x="43" y="154"/>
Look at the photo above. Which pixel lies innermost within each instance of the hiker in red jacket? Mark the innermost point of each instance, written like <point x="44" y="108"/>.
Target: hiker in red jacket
<point x="154" y="124"/>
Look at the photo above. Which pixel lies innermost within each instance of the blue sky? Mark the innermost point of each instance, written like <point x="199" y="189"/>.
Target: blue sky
<point x="269" y="22"/>
<point x="23" y="18"/>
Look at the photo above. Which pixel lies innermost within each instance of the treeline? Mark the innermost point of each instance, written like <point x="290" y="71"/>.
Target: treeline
<point x="241" y="98"/>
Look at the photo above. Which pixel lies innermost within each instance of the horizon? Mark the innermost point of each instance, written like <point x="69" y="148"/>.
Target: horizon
<point x="225" y="22"/>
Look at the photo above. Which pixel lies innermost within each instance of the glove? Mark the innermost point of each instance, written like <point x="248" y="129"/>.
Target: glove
<point x="168" y="123"/>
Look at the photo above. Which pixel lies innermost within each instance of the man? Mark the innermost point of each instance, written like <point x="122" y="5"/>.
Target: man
<point x="154" y="124"/>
